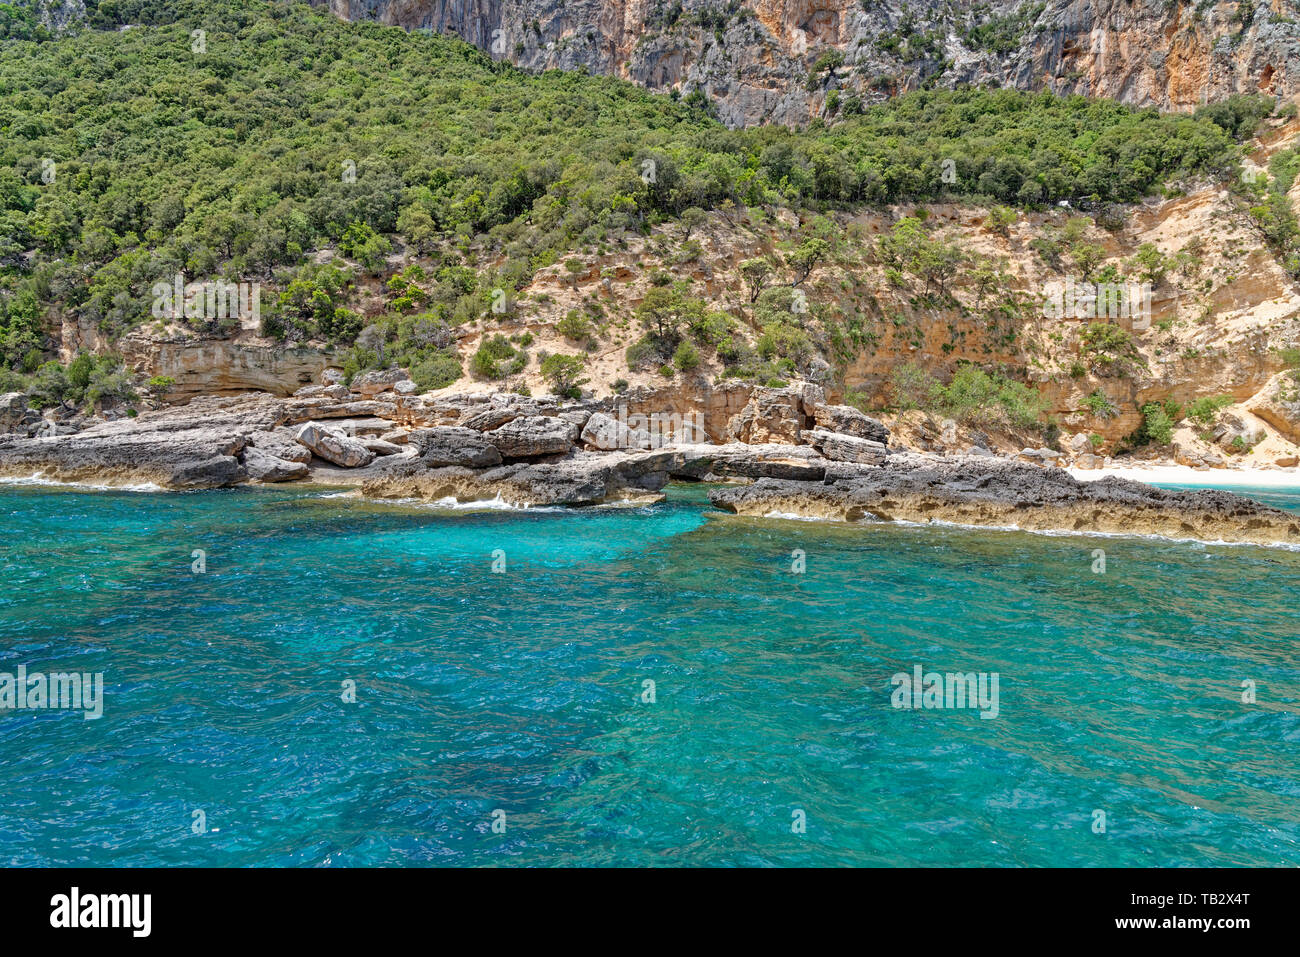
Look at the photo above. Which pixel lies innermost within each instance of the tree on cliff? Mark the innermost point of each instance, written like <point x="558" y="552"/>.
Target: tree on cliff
<point x="564" y="373"/>
<point x="806" y="257"/>
<point x="755" y="272"/>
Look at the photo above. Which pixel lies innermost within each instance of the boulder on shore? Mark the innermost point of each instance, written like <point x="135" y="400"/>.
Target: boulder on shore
<point x="533" y="435"/>
<point x="846" y="420"/>
<point x="846" y="448"/>
<point x="264" y="467"/>
<point x="451" y="445"/>
<point x="333" y="446"/>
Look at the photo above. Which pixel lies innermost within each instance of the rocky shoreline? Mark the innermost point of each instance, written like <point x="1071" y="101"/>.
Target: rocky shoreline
<point x="781" y="452"/>
<point x="995" y="493"/>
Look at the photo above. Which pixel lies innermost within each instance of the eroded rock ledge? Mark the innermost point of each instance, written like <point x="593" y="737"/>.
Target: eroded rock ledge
<point x="991" y="492"/>
<point x="783" y="451"/>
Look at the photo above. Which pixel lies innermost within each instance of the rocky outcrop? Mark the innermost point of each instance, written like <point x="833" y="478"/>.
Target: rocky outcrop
<point x="581" y="478"/>
<point x="846" y="420"/>
<point x="1278" y="404"/>
<point x="533" y="459"/>
<point x="607" y="433"/>
<point x="775" y="415"/>
<point x="991" y="492"/>
<point x="755" y="59"/>
<point x="14" y="414"/>
<point x="199" y="446"/>
<point x="202" y="366"/>
<point x="281" y="444"/>
<point x="371" y="384"/>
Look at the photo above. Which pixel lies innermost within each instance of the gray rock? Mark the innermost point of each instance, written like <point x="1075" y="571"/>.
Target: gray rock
<point x="607" y="433"/>
<point x="333" y="446"/>
<point x="491" y="417"/>
<point x="533" y="435"/>
<point x="380" y="447"/>
<point x="846" y="448"/>
<point x="983" y="491"/>
<point x="847" y="420"/>
<point x="736" y="460"/>
<point x="264" y="467"/>
<point x="450" y="445"/>
<point x="281" y="444"/>
<point x="191" y="446"/>
<point x="378" y="380"/>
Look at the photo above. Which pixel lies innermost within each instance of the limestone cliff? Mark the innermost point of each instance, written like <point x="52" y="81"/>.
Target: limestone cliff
<point x="767" y="60"/>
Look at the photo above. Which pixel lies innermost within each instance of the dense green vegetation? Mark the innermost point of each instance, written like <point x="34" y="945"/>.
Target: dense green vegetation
<point x="235" y="139"/>
<point x="239" y="158"/>
<point x="1272" y="211"/>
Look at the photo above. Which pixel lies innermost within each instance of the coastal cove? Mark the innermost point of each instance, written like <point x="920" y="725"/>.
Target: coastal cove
<point x="523" y="690"/>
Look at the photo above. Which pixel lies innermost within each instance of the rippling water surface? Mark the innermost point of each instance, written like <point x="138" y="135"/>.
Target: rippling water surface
<point x="523" y="691"/>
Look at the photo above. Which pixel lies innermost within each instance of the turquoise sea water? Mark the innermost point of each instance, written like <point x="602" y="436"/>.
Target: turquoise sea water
<point x="522" y="692"/>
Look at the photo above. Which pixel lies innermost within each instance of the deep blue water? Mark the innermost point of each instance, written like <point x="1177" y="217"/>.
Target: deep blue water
<point x="522" y="691"/>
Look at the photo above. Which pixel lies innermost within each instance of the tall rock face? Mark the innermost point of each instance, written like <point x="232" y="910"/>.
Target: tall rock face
<point x="787" y="61"/>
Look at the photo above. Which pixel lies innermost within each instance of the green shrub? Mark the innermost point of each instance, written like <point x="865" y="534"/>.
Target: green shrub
<point x="496" y="358"/>
<point x="564" y="374"/>
<point x="644" y="354"/>
<point x="913" y="387"/>
<point x="1157" y="426"/>
<point x="436" y="371"/>
<point x="1100" y="405"/>
<point x="575" y="326"/>
<point x="686" y="358"/>
<point x="1109" y="348"/>
<point x="782" y="339"/>
<point x="1205" y="410"/>
<point x="711" y="328"/>
<point x="1000" y="220"/>
<point x="975" y="397"/>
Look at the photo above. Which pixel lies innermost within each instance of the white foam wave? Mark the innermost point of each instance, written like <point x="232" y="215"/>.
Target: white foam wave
<point x="36" y="478"/>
